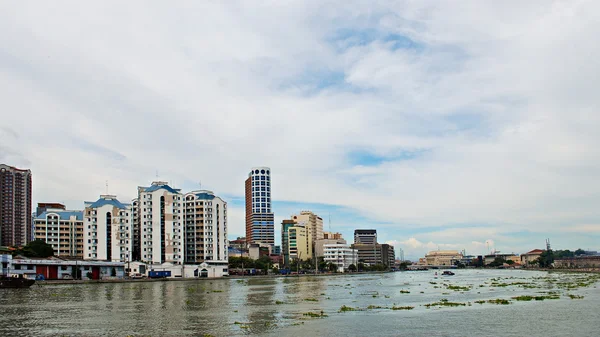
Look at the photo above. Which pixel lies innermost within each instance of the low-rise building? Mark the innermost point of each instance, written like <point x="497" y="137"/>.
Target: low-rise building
<point x="342" y="255"/>
<point x="373" y="254"/>
<point x="516" y="259"/>
<point x="320" y="245"/>
<point x="442" y="258"/>
<point x="55" y="268"/>
<point x="529" y="257"/>
<point x="578" y="262"/>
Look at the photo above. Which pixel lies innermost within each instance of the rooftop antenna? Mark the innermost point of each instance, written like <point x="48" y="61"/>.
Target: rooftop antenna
<point x="548" y="245"/>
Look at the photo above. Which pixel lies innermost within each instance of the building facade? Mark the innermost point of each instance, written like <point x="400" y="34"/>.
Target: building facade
<point x="107" y="230"/>
<point x="15" y="206"/>
<point x="285" y="244"/>
<point x="441" y="258"/>
<point x="205" y="223"/>
<point x="260" y="225"/>
<point x="161" y="230"/>
<point x="61" y="229"/>
<point x="341" y="255"/>
<point x="528" y="258"/>
<point x="300" y="243"/>
<point x="320" y="245"/>
<point x="365" y="236"/>
<point x="312" y="222"/>
<point x="332" y="236"/>
<point x="373" y="254"/>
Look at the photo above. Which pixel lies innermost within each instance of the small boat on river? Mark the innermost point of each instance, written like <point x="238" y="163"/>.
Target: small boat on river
<point x="447" y="273"/>
<point x="15" y="282"/>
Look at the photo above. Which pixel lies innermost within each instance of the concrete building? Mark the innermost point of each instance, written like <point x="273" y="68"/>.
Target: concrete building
<point x="487" y="259"/>
<point x="529" y="257"/>
<point x="205" y="222"/>
<point x="256" y="250"/>
<point x="285" y="246"/>
<point x="373" y="254"/>
<point x="136" y="247"/>
<point x="441" y="258"/>
<point x="55" y="268"/>
<point x="260" y="220"/>
<point x="365" y="236"/>
<point x="61" y="229"/>
<point x="44" y="206"/>
<point x="332" y="236"/>
<point x="15" y="206"/>
<point x="320" y="244"/>
<point x="578" y="262"/>
<point x="107" y="230"/>
<point x="300" y="243"/>
<point x="342" y="255"/>
<point x="161" y="230"/>
<point x="312" y="222"/>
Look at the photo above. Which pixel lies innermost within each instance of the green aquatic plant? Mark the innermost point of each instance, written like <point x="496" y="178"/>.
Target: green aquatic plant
<point x="444" y="303"/>
<point x="404" y="292"/>
<point x="375" y="307"/>
<point x="575" y="297"/>
<point x="402" y="308"/>
<point x="499" y="301"/>
<point x="458" y="288"/>
<point x="480" y="301"/>
<point x="311" y="299"/>
<point x="279" y="302"/>
<point x="345" y="308"/>
<point x="315" y="315"/>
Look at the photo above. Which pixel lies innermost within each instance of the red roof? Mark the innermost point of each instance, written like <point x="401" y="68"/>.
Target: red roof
<point x="535" y="251"/>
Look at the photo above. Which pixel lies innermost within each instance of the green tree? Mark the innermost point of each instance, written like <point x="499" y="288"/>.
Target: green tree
<point x="546" y="259"/>
<point x="580" y="252"/>
<point x="362" y="267"/>
<point x="498" y="261"/>
<point x="352" y="268"/>
<point x="322" y="264"/>
<point x="36" y="248"/>
<point x="332" y="267"/>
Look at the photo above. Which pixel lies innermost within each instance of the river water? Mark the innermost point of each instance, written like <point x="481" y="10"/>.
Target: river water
<point x="285" y="306"/>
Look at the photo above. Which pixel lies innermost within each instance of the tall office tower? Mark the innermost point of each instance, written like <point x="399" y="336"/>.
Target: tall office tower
<point x="285" y="244"/>
<point x="107" y="230"/>
<point x="61" y="229"/>
<point x="205" y="223"/>
<point x="313" y="222"/>
<point x="365" y="236"/>
<point x="15" y="206"/>
<point x="161" y="235"/>
<point x="260" y="220"/>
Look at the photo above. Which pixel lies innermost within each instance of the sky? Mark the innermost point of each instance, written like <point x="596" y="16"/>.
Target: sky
<point x="444" y="125"/>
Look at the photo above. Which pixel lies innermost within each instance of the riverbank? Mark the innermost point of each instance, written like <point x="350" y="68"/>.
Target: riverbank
<point x="179" y="279"/>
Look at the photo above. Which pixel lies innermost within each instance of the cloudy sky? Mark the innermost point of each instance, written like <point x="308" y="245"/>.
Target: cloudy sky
<point x="441" y="124"/>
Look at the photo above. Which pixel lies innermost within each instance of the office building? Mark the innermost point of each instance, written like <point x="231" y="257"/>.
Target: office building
<point x="61" y="229"/>
<point x="160" y="215"/>
<point x="107" y="230"/>
<point x="373" y="254"/>
<point x="260" y="225"/>
<point x="365" y="236"/>
<point x="15" y="206"/>
<point x="205" y="223"/>
<point x="300" y="243"/>
<point x="342" y="255"/>
<point x="332" y="236"/>
<point x="312" y="222"/>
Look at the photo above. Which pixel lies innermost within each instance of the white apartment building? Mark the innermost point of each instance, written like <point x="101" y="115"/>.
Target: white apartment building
<point x="205" y="223"/>
<point x="107" y="230"/>
<point x="341" y="255"/>
<point x="160" y="220"/>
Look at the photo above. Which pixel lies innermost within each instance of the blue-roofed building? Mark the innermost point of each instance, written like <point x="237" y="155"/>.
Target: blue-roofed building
<point x="159" y="224"/>
<point x="205" y="228"/>
<point x="62" y="229"/>
<point x="107" y="234"/>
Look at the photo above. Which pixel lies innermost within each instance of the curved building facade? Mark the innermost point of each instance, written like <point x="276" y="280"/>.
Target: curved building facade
<point x="260" y="225"/>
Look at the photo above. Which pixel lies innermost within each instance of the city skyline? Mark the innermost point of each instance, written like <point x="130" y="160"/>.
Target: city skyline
<point x="441" y="125"/>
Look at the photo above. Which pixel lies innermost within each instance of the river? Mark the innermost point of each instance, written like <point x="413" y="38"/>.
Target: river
<point x="310" y="306"/>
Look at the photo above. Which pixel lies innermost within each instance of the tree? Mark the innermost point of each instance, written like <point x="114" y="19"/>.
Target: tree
<point x="332" y="267"/>
<point x="352" y="268"/>
<point x="546" y="259"/>
<point x="322" y="264"/>
<point x="580" y="252"/>
<point x="36" y="248"/>
<point x="362" y="267"/>
<point x="498" y="261"/>
<point x="510" y="262"/>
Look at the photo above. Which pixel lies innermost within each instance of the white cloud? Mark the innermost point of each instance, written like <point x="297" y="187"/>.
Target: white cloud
<point x="501" y="99"/>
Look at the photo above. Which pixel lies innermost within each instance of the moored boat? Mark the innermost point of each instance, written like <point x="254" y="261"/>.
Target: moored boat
<point x="15" y="282"/>
<point x="447" y="273"/>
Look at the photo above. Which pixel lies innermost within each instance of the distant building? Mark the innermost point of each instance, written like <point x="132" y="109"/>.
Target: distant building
<point x="320" y="244"/>
<point x="441" y="258"/>
<point x="285" y="245"/>
<point x="487" y="259"/>
<point x="56" y="268"/>
<point x="205" y="228"/>
<point x="312" y="222"/>
<point x="61" y="229"/>
<point x="332" y="236"/>
<point x="529" y="257"/>
<point x="15" y="206"/>
<point x="365" y="236"/>
<point x="107" y="230"/>
<point x="258" y="249"/>
<point x="375" y="254"/>
<point x="260" y="225"/>
<point x="300" y="243"/>
<point x="578" y="262"/>
<point x="276" y="250"/>
<point x="160" y="210"/>
<point x="342" y="255"/>
<point x="44" y="206"/>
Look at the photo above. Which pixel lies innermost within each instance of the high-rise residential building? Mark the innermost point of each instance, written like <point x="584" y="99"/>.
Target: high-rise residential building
<point x="44" y="206"/>
<point x="285" y="243"/>
<point x="107" y="230"/>
<point x="365" y="236"/>
<point x="205" y="223"/>
<point x="15" y="206"/>
<point x="313" y="222"/>
<point x="300" y="243"/>
<point x="342" y="255"/>
<point x="160" y="215"/>
<point x="61" y="229"/>
<point x="136" y="248"/>
<point x="260" y="220"/>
